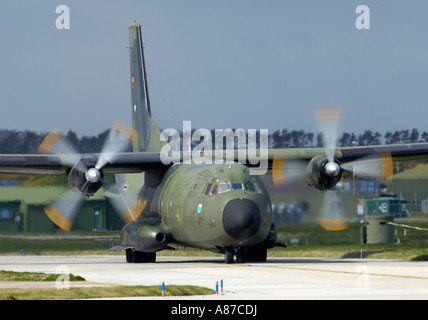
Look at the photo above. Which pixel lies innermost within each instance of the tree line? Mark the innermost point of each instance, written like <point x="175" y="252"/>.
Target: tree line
<point x="299" y="138"/>
<point x="26" y="142"/>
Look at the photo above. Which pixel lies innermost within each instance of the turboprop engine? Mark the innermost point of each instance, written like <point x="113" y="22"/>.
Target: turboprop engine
<point x="322" y="173"/>
<point x="85" y="179"/>
<point x="145" y="235"/>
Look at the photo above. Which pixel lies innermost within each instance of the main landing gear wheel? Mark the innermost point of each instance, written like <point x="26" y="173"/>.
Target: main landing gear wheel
<point x="257" y="254"/>
<point x="133" y="256"/>
<point x="228" y="255"/>
<point x="241" y="255"/>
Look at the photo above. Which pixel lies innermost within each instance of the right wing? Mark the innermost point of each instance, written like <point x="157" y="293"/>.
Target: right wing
<point x="35" y="164"/>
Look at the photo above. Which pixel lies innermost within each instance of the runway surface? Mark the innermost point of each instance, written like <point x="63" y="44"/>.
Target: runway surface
<point x="278" y="278"/>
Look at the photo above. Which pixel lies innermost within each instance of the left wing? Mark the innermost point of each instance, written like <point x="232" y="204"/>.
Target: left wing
<point x="398" y="152"/>
<point x="323" y="172"/>
<point x="371" y="161"/>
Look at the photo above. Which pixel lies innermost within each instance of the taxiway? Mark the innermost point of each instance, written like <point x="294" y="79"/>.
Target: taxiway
<point x="278" y="278"/>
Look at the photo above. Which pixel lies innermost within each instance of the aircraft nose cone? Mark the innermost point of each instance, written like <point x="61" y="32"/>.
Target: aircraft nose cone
<point x="241" y="218"/>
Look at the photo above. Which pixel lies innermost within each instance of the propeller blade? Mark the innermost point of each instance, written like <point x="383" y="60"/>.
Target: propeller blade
<point x="56" y="143"/>
<point x="332" y="217"/>
<point x="118" y="140"/>
<point x="329" y="125"/>
<point x="128" y="205"/>
<point x="373" y="167"/>
<point x="132" y="214"/>
<point x="136" y="210"/>
<point x="286" y="171"/>
<point x="116" y="198"/>
<point x="63" y="212"/>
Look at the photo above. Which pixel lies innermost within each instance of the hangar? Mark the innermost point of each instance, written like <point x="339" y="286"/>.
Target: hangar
<point x="21" y="209"/>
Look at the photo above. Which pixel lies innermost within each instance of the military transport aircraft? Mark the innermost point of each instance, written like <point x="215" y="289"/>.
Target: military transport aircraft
<point x="221" y="207"/>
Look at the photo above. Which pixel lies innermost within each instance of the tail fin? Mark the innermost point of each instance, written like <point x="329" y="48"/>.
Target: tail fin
<point x="142" y="122"/>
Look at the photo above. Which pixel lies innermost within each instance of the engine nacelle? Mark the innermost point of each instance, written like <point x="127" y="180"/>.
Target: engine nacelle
<point x="323" y="174"/>
<point x="85" y="179"/>
<point x="147" y="235"/>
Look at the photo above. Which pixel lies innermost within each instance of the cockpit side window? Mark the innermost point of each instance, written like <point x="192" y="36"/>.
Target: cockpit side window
<point x="223" y="187"/>
<point x="249" y="186"/>
<point x="237" y="186"/>
<point x="257" y="187"/>
<point x="214" y="189"/>
<point x="207" y="189"/>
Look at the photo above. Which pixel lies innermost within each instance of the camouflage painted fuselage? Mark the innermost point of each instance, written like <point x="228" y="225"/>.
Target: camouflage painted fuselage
<point x="214" y="206"/>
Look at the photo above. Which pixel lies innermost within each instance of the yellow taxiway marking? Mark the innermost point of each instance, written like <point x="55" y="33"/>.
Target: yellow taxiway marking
<point x="351" y="272"/>
<point x="104" y="284"/>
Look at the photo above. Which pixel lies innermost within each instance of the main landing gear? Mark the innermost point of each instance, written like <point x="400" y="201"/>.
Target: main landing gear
<point x="134" y="256"/>
<point x="250" y="254"/>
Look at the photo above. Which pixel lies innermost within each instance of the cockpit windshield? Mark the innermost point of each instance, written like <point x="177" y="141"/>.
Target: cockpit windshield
<point x="214" y="188"/>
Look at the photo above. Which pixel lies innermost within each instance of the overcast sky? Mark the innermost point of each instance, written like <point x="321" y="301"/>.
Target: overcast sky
<point x="219" y="63"/>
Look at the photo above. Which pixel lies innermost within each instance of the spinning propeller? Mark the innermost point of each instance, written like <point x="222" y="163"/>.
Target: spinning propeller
<point x="85" y="175"/>
<point x="331" y="216"/>
<point x="323" y="172"/>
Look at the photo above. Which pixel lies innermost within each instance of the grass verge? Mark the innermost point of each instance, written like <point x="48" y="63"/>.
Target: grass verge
<point x="86" y="292"/>
<point x="100" y="292"/>
<point x="34" y="276"/>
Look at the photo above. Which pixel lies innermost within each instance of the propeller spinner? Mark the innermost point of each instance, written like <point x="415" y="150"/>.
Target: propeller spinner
<point x="93" y="175"/>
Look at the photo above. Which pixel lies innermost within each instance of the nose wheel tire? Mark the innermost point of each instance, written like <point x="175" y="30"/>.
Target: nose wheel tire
<point x="229" y="253"/>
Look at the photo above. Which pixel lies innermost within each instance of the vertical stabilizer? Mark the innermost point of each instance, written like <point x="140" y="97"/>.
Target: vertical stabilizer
<point x="142" y="122"/>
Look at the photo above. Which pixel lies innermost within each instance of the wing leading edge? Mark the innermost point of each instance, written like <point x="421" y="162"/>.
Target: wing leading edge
<point x="133" y="162"/>
<point x="59" y="164"/>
